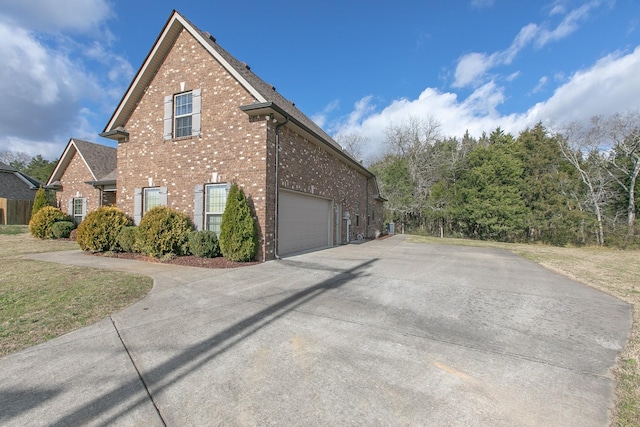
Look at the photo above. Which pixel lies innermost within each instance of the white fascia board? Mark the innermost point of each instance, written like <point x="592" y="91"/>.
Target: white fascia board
<point x="85" y="161"/>
<point x="63" y="162"/>
<point x="177" y="18"/>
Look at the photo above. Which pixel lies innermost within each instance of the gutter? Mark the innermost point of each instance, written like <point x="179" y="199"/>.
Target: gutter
<point x="276" y="231"/>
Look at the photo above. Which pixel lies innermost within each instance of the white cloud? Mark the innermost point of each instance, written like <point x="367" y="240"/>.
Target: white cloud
<point x="321" y="118"/>
<point x="541" y="84"/>
<point x="49" y="52"/>
<point x="53" y="16"/>
<point x="569" y="24"/>
<point x="472" y="68"/>
<point x="611" y="85"/>
<point x="480" y="4"/>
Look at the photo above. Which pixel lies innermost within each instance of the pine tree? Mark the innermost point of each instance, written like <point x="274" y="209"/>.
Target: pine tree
<point x="40" y="201"/>
<point x="238" y="233"/>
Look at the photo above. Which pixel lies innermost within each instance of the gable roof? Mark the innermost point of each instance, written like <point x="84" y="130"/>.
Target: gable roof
<point x="266" y="96"/>
<point x="15" y="185"/>
<point x="100" y="159"/>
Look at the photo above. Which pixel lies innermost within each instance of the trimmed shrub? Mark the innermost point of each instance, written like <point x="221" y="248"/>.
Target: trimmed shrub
<point x="41" y="222"/>
<point x="62" y="229"/>
<point x="163" y="231"/>
<point x="238" y="233"/>
<point x="73" y="234"/>
<point x="40" y="201"/>
<point x="204" y="244"/>
<point x="127" y="239"/>
<point x="99" y="231"/>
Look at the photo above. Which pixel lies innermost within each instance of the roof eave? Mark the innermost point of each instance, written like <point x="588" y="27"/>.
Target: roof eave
<point x="270" y="108"/>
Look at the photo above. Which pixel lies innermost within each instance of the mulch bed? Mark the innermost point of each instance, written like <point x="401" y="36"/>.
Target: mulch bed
<point x="188" y="261"/>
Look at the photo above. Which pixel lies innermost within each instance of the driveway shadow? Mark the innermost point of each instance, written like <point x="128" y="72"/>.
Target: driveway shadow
<point x="200" y="354"/>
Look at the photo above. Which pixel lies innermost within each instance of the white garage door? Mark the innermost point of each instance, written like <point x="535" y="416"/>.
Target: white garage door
<point x="304" y="223"/>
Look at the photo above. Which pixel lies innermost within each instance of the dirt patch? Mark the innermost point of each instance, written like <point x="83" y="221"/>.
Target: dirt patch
<point x="187" y="261"/>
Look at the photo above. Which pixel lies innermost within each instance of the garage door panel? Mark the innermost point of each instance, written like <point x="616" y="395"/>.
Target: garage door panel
<point x="303" y="223"/>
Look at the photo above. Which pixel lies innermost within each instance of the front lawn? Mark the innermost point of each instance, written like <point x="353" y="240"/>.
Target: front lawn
<point x="41" y="300"/>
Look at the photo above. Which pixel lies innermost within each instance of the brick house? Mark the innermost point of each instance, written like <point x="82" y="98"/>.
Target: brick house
<point x="195" y="119"/>
<point x="84" y="178"/>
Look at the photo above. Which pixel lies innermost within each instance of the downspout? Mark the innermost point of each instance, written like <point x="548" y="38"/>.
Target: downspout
<point x="367" y="210"/>
<point x="276" y="231"/>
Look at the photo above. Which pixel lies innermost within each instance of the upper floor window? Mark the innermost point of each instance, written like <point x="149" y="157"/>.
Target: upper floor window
<point x="182" y="114"/>
<point x="183" y="110"/>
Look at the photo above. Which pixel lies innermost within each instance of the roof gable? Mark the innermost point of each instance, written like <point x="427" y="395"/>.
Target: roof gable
<point x="99" y="159"/>
<point x="265" y="94"/>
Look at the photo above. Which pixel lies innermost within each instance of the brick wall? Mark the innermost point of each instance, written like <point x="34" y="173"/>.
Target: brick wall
<point x="74" y="185"/>
<point x="311" y="168"/>
<point x="230" y="145"/>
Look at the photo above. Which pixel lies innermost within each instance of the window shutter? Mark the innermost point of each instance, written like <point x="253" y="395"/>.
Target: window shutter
<point x="137" y="205"/>
<point x="70" y="211"/>
<point x="196" y="105"/>
<point x="163" y="196"/>
<point x="84" y="209"/>
<point x="168" y="117"/>
<point x="198" y="207"/>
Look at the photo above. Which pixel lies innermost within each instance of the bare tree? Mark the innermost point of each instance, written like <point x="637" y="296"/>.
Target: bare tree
<point x="16" y="158"/>
<point x="354" y="143"/>
<point x="576" y="141"/>
<point x="620" y="136"/>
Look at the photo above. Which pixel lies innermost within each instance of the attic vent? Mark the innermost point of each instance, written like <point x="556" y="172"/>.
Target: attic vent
<point x="209" y="36"/>
<point x="293" y="104"/>
<point x="246" y="66"/>
<point x="274" y="88"/>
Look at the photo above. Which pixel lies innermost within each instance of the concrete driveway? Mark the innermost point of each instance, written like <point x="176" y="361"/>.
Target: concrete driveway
<point x="382" y="333"/>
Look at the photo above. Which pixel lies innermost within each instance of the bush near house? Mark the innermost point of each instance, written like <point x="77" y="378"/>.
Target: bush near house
<point x="62" y="229"/>
<point x="204" y="244"/>
<point x="99" y="231"/>
<point x="163" y="231"/>
<point x="41" y="223"/>
<point x="127" y="238"/>
<point x="39" y="201"/>
<point x="238" y="233"/>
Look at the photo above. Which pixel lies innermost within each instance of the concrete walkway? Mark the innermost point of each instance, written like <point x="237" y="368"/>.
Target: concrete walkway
<point x="382" y="333"/>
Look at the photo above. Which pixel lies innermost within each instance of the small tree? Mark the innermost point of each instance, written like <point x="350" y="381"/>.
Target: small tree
<point x="238" y="233"/>
<point x="40" y="201"/>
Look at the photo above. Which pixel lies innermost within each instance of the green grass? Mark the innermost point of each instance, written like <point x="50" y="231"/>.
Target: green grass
<point x="13" y="229"/>
<point x="615" y="272"/>
<point x="40" y="300"/>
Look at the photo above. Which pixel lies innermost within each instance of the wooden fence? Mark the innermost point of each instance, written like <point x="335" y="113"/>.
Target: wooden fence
<point x="15" y="212"/>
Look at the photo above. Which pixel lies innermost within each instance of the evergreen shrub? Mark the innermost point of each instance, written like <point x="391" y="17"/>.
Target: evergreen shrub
<point x="238" y="233"/>
<point x="127" y="238"/>
<point x="204" y="244"/>
<point x="99" y="231"/>
<point x="40" y="201"/>
<point x="41" y="222"/>
<point x="163" y="231"/>
<point x="62" y="229"/>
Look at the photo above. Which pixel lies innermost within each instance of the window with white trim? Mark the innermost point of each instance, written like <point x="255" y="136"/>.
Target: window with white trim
<point x="183" y="104"/>
<point x="214" y="204"/>
<point x="79" y="209"/>
<point x="151" y="199"/>
<point x="182" y="114"/>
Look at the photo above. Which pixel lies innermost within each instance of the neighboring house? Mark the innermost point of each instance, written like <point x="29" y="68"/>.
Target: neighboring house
<point x="84" y="178"/>
<point x="195" y="119"/>
<point x="17" y="192"/>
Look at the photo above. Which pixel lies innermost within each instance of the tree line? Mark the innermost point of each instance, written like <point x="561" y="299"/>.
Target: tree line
<point x="572" y="185"/>
<point x="36" y="167"/>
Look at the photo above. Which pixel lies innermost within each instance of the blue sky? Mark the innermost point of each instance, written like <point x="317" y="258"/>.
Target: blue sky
<point x="354" y="67"/>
